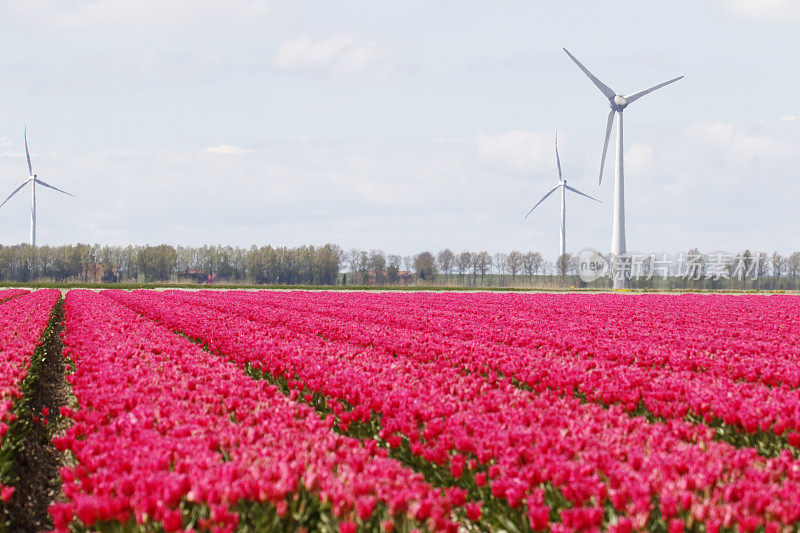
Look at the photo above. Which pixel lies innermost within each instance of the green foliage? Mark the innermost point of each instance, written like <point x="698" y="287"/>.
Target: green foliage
<point x="496" y="514"/>
<point x="302" y="511"/>
<point x="156" y="262"/>
<point x="425" y="267"/>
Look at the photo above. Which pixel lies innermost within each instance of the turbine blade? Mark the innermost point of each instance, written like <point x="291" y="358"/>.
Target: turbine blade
<point x="27" y="153"/>
<point x="558" y="159"/>
<point x="40" y="182"/>
<point x="24" y="183"/>
<point x="636" y="96"/>
<point x="554" y="189"/>
<point x="609" y="125"/>
<point x="605" y="89"/>
<point x="581" y="193"/>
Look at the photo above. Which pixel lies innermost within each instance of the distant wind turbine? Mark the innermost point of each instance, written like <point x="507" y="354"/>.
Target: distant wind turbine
<point x="618" y="104"/>
<point x="33" y="179"/>
<point x="562" y="184"/>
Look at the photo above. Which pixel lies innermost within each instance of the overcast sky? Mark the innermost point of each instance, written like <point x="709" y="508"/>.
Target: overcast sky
<point x="399" y="125"/>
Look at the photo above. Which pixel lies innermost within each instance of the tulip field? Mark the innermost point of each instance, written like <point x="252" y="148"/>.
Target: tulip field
<point x="355" y="411"/>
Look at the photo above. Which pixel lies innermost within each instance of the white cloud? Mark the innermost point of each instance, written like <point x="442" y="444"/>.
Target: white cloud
<point x="226" y="149"/>
<point x="342" y="53"/>
<point x="770" y="10"/>
<point x="81" y="14"/>
<point x="787" y="118"/>
<point x="735" y="143"/>
<point x="639" y="159"/>
<point x="520" y="149"/>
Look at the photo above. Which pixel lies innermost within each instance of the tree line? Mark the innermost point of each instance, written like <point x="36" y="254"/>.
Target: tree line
<point x="165" y="263"/>
<point x="329" y="264"/>
<point x="304" y="265"/>
<point x="467" y="268"/>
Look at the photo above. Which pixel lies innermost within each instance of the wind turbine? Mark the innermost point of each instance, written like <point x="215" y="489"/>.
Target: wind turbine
<point x="562" y="184"/>
<point x="618" y="104"/>
<point x="33" y="179"/>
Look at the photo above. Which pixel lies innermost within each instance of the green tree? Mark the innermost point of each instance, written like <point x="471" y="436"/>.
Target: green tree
<point x="157" y="263"/>
<point x="326" y="264"/>
<point x="393" y="268"/>
<point x="425" y="267"/>
<point x="377" y="264"/>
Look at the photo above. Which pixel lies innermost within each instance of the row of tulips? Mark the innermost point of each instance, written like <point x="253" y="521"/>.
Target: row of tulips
<point x="548" y="456"/>
<point x="727" y="336"/>
<point x="650" y="371"/>
<point x="25" y="318"/>
<point x="166" y="435"/>
<point x="7" y="294"/>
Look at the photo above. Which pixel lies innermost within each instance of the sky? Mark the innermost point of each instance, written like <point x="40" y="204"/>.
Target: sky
<point x="402" y="126"/>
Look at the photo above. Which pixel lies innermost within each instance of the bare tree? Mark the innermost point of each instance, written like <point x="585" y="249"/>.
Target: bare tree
<point x="353" y="260"/>
<point x="483" y="263"/>
<point x="793" y="267"/>
<point x="744" y="264"/>
<point x="531" y="264"/>
<point x="446" y="260"/>
<point x="563" y="265"/>
<point x="474" y="262"/>
<point x="514" y="263"/>
<point x="761" y="265"/>
<point x="500" y="262"/>
<point x="778" y="266"/>
<point x="463" y="262"/>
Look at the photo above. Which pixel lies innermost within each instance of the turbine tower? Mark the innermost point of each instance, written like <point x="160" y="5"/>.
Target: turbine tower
<point x="618" y="104"/>
<point x="33" y="179"/>
<point x="562" y="184"/>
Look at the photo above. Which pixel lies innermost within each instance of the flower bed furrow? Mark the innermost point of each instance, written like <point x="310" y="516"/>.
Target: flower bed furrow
<point x="614" y="470"/>
<point x="168" y="436"/>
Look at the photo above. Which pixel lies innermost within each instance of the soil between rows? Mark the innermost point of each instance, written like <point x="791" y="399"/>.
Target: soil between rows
<point x="38" y="461"/>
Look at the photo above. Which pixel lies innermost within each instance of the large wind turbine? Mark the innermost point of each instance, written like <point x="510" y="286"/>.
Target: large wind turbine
<point x="618" y="104"/>
<point x="33" y="179"/>
<point x="562" y="184"/>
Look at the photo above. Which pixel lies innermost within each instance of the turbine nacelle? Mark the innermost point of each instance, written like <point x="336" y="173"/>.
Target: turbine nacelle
<point x="618" y="103"/>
